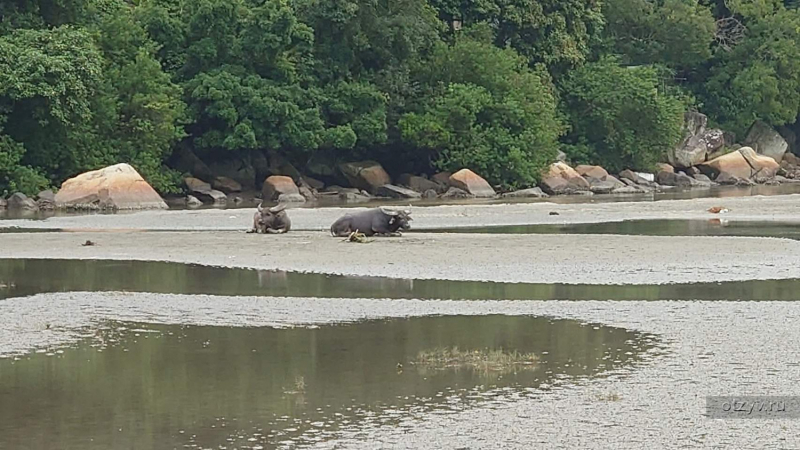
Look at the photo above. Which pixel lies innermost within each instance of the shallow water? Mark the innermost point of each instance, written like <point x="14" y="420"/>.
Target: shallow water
<point x="140" y="386"/>
<point x="649" y="227"/>
<point x="21" y="277"/>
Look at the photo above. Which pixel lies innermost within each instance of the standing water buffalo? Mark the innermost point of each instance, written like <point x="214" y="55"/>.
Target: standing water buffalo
<point x="271" y="220"/>
<point x="371" y="222"/>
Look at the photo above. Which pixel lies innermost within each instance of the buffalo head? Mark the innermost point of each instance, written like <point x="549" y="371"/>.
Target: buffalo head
<point x="399" y="220"/>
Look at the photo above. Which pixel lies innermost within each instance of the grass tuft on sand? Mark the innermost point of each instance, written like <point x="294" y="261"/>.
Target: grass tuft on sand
<point x="479" y="360"/>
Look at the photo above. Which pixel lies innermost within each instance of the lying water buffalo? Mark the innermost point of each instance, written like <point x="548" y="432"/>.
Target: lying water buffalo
<point x="271" y="220"/>
<point x="371" y="222"/>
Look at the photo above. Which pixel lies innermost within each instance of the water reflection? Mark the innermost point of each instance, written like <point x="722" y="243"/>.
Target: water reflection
<point x="717" y="226"/>
<point x="144" y="387"/>
<point x="21" y="277"/>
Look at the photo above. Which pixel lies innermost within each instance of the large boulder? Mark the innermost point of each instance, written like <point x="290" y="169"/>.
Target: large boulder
<point x="634" y="178"/>
<point x="392" y="191"/>
<point x="563" y="179"/>
<point x="116" y="187"/>
<point x="679" y="179"/>
<point x="280" y="188"/>
<point x="733" y="166"/>
<point x="595" y="172"/>
<point x="367" y="175"/>
<point x="3" y="203"/>
<point x="240" y="170"/>
<point x="766" y="141"/>
<point x="697" y="142"/>
<point x="196" y="185"/>
<point x="442" y="178"/>
<point x="312" y="182"/>
<point x="226" y="185"/>
<point x="21" y="202"/>
<point x="764" y="166"/>
<point x="526" y="193"/>
<point x="469" y="181"/>
<point x="46" y="200"/>
<point x="420" y="184"/>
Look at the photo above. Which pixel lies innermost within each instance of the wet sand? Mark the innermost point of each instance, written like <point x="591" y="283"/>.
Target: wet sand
<point x="217" y="237"/>
<point x="713" y="348"/>
<point x="707" y="348"/>
<point x="575" y="259"/>
<point x="779" y="208"/>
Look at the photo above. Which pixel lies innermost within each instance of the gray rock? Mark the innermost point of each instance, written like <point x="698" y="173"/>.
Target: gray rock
<point x="3" y="203"/>
<point x="634" y="177"/>
<point x="430" y="193"/>
<point x="697" y="142"/>
<point x="193" y="202"/>
<point x="726" y="178"/>
<point x="628" y="190"/>
<point x="455" y="192"/>
<point x="294" y="197"/>
<point x="46" y="200"/>
<point x="226" y="185"/>
<point x="212" y="196"/>
<point x="702" y="178"/>
<point x="47" y="196"/>
<point x="766" y="141"/>
<point x="420" y="184"/>
<point x="350" y="196"/>
<point x="603" y="187"/>
<point x="306" y="192"/>
<point x="21" y="202"/>
<point x="239" y="170"/>
<point x="238" y="200"/>
<point x="367" y="175"/>
<point x="312" y="182"/>
<point x="561" y="156"/>
<point x="392" y="191"/>
<point x="526" y="193"/>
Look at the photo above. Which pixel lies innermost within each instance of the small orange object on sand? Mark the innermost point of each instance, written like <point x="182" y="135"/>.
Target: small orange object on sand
<point x="718" y="209"/>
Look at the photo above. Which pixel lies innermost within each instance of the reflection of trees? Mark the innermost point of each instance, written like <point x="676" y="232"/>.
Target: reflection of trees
<point x="186" y="381"/>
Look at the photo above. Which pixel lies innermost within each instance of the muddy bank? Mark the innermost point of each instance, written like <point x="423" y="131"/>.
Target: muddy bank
<point x="784" y="208"/>
<point x="569" y="259"/>
<point x="657" y="404"/>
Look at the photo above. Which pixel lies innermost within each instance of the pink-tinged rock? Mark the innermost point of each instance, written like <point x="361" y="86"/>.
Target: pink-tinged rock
<point x="595" y="172"/>
<point x="469" y="181"/>
<point x="281" y="188"/>
<point x="119" y="187"/>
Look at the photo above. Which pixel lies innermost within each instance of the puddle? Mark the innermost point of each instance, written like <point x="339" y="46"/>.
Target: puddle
<point x="22" y="277"/>
<point x="649" y="227"/>
<point x="155" y="386"/>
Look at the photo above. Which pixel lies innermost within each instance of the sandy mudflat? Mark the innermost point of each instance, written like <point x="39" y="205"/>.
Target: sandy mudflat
<point x="593" y="259"/>
<point x="217" y="238"/>
<point x="706" y="348"/>
<point x="779" y="207"/>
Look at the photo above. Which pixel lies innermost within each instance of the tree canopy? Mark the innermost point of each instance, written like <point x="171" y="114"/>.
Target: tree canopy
<point x="498" y="86"/>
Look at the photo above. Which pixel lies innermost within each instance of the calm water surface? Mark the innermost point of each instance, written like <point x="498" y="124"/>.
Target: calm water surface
<point x="140" y="386"/>
<point x="21" y="277"/>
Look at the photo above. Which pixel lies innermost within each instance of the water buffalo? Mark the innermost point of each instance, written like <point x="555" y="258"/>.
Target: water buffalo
<point x="271" y="220"/>
<point x="371" y="222"/>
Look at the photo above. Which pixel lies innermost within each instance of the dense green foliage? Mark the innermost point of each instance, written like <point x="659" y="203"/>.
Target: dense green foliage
<point x="498" y="86"/>
<point x="619" y="116"/>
